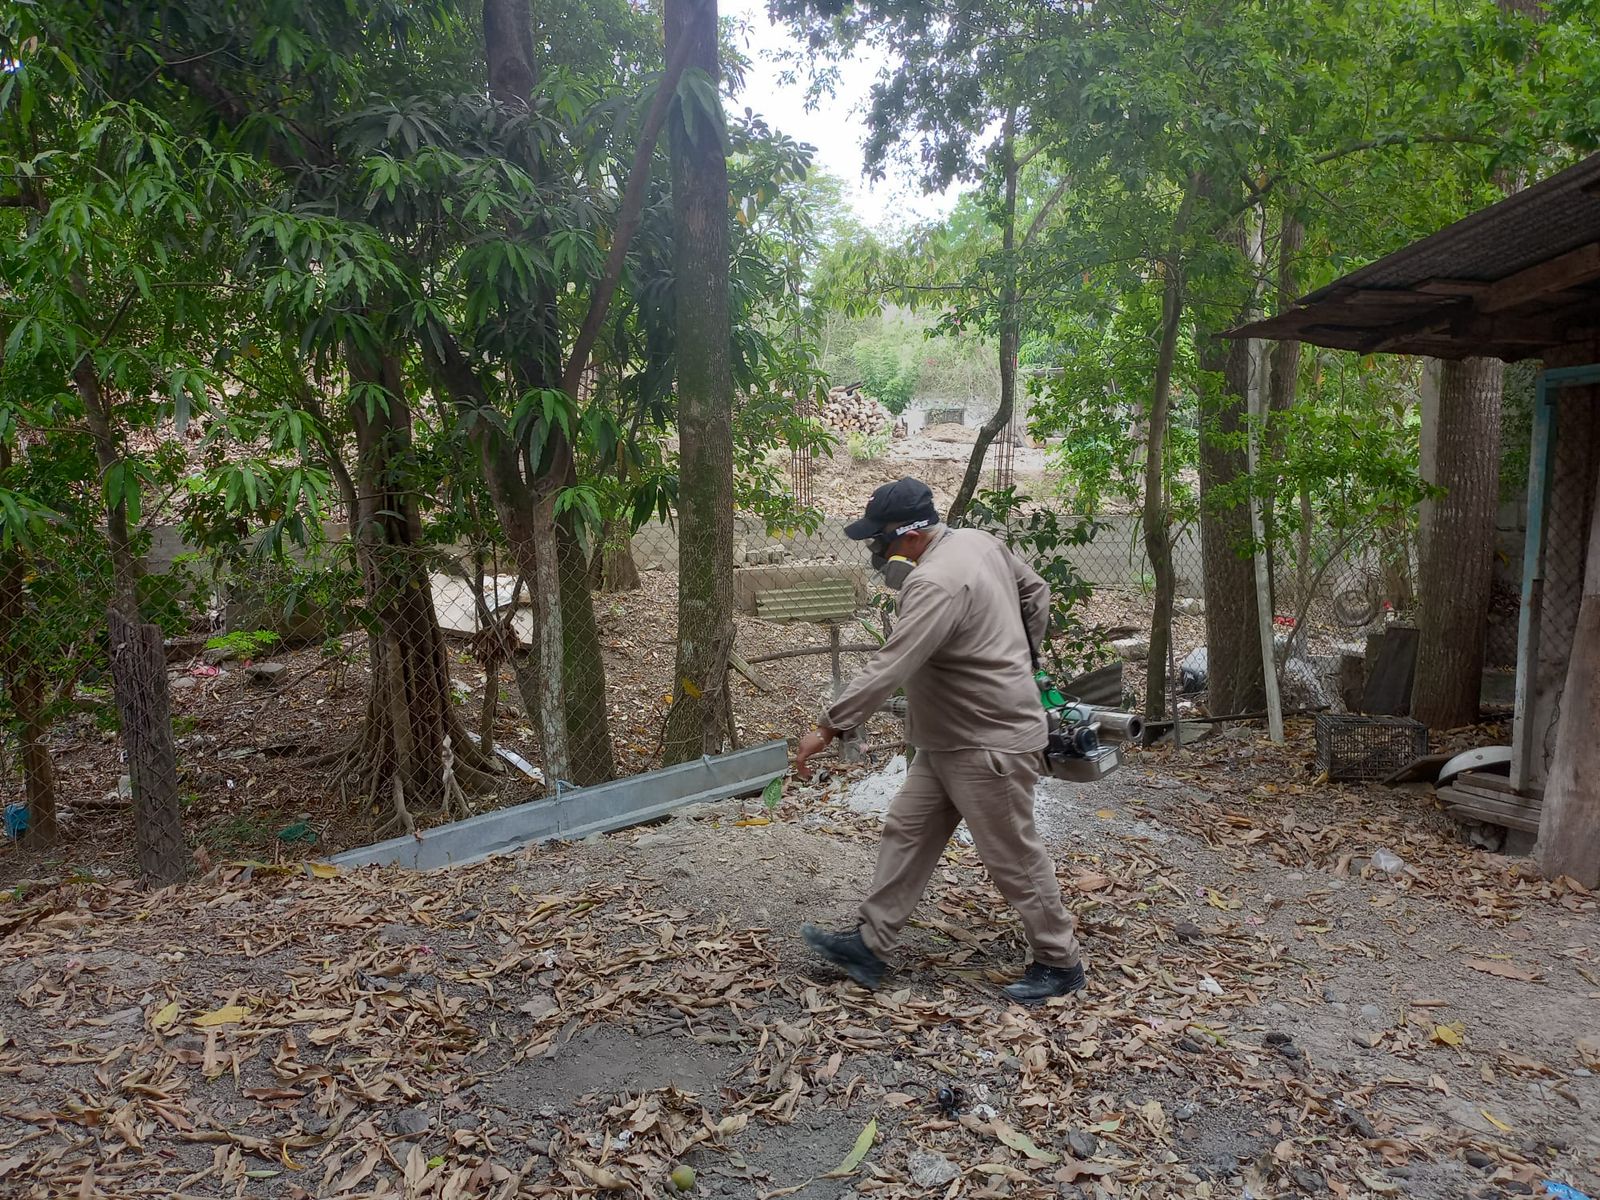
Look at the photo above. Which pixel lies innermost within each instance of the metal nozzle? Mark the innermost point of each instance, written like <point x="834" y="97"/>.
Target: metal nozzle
<point x="1117" y="726"/>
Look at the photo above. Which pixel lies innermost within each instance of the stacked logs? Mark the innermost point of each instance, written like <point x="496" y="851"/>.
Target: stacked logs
<point x="850" y="410"/>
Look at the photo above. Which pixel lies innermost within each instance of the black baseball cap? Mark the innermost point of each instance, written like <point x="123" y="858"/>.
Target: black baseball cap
<point x="904" y="503"/>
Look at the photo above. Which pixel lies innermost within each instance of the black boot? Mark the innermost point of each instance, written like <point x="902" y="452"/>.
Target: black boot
<point x="849" y="953"/>
<point x="1040" y="983"/>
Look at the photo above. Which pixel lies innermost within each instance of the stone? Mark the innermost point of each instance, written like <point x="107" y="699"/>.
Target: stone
<point x="1187" y="1111"/>
<point x="930" y="1170"/>
<point x="1478" y="1160"/>
<point x="541" y="1004"/>
<point x="410" y="1122"/>
<point x="219" y="654"/>
<point x="182" y="683"/>
<point x="1194" y="671"/>
<point x="1358" y="1122"/>
<point x="1374" y="1016"/>
<point x="265" y="672"/>
<point x="1308" y="1181"/>
<point x="1082" y="1144"/>
<point x="1189" y="607"/>
<point x="1367" y="1039"/>
<point x="1132" y="649"/>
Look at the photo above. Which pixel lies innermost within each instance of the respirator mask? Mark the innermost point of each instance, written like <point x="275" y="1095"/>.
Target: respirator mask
<point x="897" y="568"/>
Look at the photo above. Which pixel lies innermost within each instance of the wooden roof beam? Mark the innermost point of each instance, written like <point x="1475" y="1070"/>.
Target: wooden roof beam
<point x="1553" y="275"/>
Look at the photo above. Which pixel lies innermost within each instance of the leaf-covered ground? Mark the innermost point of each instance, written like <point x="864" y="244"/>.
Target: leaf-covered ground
<point x="1267" y="1016"/>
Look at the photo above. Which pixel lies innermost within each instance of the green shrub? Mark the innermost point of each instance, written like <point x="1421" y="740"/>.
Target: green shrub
<point x="244" y="643"/>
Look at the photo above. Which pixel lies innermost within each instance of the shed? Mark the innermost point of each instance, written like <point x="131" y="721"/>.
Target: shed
<point x="1517" y="280"/>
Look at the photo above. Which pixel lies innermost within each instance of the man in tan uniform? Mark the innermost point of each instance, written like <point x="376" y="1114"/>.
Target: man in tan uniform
<point x="961" y="651"/>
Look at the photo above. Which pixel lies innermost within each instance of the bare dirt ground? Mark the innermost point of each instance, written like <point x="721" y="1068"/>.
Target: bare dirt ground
<point x="937" y="455"/>
<point x="1267" y="1015"/>
<point x="249" y="752"/>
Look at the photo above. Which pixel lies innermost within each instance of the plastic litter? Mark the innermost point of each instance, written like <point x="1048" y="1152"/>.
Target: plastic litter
<point x="1388" y="862"/>
<point x="300" y="831"/>
<point x="515" y="759"/>
<point x="16" y="820"/>
<point x="1562" y="1191"/>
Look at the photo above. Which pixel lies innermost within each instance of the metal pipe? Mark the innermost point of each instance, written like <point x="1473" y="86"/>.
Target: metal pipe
<point x="1112" y="724"/>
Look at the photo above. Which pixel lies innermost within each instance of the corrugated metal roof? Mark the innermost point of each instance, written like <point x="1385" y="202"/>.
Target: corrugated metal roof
<point x="1518" y="279"/>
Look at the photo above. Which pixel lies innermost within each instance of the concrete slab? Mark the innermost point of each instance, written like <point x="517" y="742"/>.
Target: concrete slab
<point x="577" y="813"/>
<point x="750" y="582"/>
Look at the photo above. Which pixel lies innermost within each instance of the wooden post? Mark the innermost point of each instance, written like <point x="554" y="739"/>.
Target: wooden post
<point x="1530" y="621"/>
<point x="139" y="678"/>
<point x="1256" y="402"/>
<point x="1569" y="823"/>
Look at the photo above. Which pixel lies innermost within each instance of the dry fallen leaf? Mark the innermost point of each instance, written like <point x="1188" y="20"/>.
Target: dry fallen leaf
<point x="1452" y="1034"/>
<point x="1022" y="1143"/>
<point x="166" y="1016"/>
<point x="1075" y="1170"/>
<point x="1503" y="970"/>
<point x="1589" y="1051"/>
<point x="222" y="1016"/>
<point x="599" y="1176"/>
<point x="1494" y="1120"/>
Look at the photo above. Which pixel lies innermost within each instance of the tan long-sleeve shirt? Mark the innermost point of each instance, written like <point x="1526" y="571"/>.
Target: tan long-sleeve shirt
<point x="961" y="651"/>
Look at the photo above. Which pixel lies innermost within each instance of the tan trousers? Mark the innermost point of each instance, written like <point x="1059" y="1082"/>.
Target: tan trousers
<point x="994" y="794"/>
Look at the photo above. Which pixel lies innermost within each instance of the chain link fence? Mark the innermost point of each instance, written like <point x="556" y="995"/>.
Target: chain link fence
<point x="367" y="687"/>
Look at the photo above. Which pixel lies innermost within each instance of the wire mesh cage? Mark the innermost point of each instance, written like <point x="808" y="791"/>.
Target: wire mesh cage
<point x="1355" y="748"/>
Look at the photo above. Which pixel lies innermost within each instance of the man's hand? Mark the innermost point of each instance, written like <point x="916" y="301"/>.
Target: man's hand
<point x="813" y="744"/>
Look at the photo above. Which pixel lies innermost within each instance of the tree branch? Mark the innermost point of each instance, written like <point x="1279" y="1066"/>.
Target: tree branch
<point x="627" y="220"/>
<point x="1044" y="212"/>
<point x="1256" y="193"/>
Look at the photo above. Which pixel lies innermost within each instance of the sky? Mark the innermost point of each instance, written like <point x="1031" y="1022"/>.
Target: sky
<point x="836" y="127"/>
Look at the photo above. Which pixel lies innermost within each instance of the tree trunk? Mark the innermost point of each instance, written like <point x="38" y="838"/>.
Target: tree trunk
<point x="38" y="768"/>
<point x="1010" y="328"/>
<point x="139" y="676"/>
<point x="618" y="570"/>
<point x="1457" y="556"/>
<point x="27" y="693"/>
<point x="413" y="750"/>
<point x="575" y="739"/>
<point x="1157" y="535"/>
<point x="705" y="403"/>
<point x="1233" y="634"/>
<point x="138" y="665"/>
<point x="590" y="756"/>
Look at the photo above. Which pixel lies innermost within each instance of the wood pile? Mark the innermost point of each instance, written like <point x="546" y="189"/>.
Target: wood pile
<point x="1482" y="798"/>
<point x="850" y="410"/>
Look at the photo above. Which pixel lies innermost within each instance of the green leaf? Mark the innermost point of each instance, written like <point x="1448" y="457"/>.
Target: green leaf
<point x="857" y="1152"/>
<point x="772" y="794"/>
